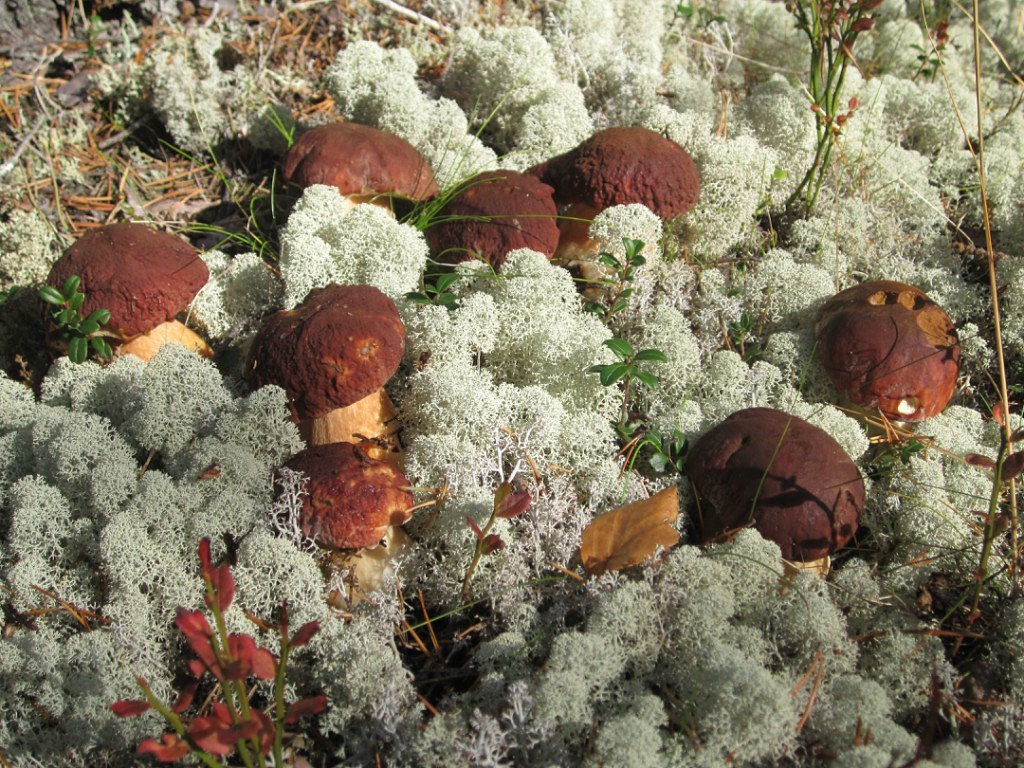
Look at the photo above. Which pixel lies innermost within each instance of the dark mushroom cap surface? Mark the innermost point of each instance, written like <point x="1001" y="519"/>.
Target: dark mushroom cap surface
<point x="351" y="499"/>
<point x="792" y="480"/>
<point x="359" y="160"/>
<point x="342" y="343"/>
<point x="624" y="165"/>
<point x="494" y="213"/>
<point x="886" y="345"/>
<point x="144" y="277"/>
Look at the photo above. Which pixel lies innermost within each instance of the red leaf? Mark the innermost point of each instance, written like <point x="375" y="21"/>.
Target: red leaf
<point x="223" y="586"/>
<point x="264" y="664"/>
<point x="511" y="504"/>
<point x="169" y="749"/>
<point x="999" y="414"/>
<point x="304" y="634"/>
<point x="207" y="732"/>
<point x="977" y="460"/>
<point x="130" y="707"/>
<point x="476" y="528"/>
<point x="1013" y="466"/>
<point x="862" y="24"/>
<point x="196" y="629"/>
<point x="313" y="705"/>
<point x="493" y="543"/>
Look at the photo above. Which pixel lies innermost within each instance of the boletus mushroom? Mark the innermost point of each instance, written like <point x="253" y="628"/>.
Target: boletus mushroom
<point x="144" y="277"/>
<point x="780" y="474"/>
<point x="887" y="346"/>
<point x="617" y="166"/>
<point x="354" y="504"/>
<point x="332" y="354"/>
<point x="493" y="213"/>
<point x="351" y="498"/>
<point x="365" y="164"/>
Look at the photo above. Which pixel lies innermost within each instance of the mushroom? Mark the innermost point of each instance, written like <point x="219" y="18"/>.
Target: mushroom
<point x="144" y="277"/>
<point x="617" y="166"/>
<point x="354" y="506"/>
<point x="885" y="345"/>
<point x="789" y="479"/>
<point x="365" y="164"/>
<point x="333" y="354"/>
<point x="493" y="213"/>
<point x="351" y="499"/>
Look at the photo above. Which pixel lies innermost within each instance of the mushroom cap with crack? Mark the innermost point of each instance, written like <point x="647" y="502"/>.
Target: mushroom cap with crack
<point x="622" y="165"/>
<point x="787" y="477"/>
<point x="144" y="277"/>
<point x="342" y="343"/>
<point x="351" y="499"/>
<point x="361" y="161"/>
<point x="493" y="213"/>
<point x="886" y="345"/>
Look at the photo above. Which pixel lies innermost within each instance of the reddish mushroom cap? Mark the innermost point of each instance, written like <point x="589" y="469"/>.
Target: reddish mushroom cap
<point x="496" y="212"/>
<point x="359" y="160"/>
<point x="144" y="277"/>
<point x="624" y="165"/>
<point x="886" y="345"/>
<point x="351" y="499"/>
<point x="342" y="343"/>
<point x="792" y="480"/>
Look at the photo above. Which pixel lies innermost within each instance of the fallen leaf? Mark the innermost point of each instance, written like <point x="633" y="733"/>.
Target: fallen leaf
<point x="629" y="535"/>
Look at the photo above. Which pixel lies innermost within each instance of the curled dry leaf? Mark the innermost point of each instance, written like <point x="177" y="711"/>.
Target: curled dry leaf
<point x="629" y="535"/>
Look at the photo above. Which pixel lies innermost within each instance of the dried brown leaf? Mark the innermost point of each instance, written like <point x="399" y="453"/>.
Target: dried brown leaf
<point x="629" y="535"/>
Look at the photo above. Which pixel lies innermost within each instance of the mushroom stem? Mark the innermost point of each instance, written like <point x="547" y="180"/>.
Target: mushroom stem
<point x="372" y="417"/>
<point x="145" y="345"/>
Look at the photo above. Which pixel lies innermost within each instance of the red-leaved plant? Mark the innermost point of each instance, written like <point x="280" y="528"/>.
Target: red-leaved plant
<point x="232" y="724"/>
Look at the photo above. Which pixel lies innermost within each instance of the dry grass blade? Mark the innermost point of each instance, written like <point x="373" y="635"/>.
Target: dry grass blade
<point x="631" y="534"/>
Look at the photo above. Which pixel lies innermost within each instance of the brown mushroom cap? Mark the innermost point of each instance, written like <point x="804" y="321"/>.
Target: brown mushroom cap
<point x="496" y="212"/>
<point x="341" y="344"/>
<point x="359" y="160"/>
<point x="144" y="277"/>
<point x="792" y="480"/>
<point x="886" y="345"/>
<point x="624" y="165"/>
<point x="351" y="499"/>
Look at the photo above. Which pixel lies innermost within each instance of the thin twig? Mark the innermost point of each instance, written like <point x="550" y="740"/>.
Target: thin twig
<point x="409" y="13"/>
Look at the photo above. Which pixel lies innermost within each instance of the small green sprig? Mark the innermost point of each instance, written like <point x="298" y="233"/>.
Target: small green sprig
<point x="618" y="285"/>
<point x="627" y="369"/>
<point x="438" y="292"/>
<point x="82" y="335"/>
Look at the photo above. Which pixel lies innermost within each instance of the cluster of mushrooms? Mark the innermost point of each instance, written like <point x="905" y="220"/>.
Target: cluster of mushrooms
<point x="886" y="347"/>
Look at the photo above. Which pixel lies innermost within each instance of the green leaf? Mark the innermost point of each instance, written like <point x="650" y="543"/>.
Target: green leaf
<point x="613" y="373"/>
<point x="76" y="300"/>
<point x="417" y="298"/>
<point x="646" y="378"/>
<point x="446" y="281"/>
<point x="51" y="295"/>
<point x="101" y="316"/>
<point x="655" y="355"/>
<point x="65" y="316"/>
<point x="71" y="285"/>
<point x="609" y="261"/>
<point x="622" y="348"/>
<point x="78" y="349"/>
<point x="88" y="326"/>
<point x="102" y="348"/>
